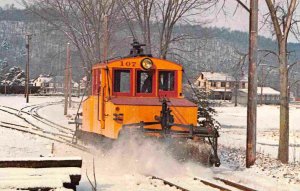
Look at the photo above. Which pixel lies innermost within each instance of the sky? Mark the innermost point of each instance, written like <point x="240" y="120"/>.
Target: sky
<point x="238" y="20"/>
<point x="5" y="2"/>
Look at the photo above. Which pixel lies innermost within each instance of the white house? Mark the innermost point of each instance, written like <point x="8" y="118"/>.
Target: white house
<point x="267" y="95"/>
<point x="54" y="84"/>
<point x="219" y="85"/>
<point x="42" y="81"/>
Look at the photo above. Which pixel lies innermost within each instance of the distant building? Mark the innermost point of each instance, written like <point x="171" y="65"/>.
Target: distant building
<point x="219" y="85"/>
<point x="54" y="84"/>
<point x="42" y="81"/>
<point x="269" y="96"/>
<point x="83" y="85"/>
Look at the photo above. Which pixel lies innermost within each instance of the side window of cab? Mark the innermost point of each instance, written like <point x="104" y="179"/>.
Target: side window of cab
<point x="122" y="82"/>
<point x="166" y="80"/>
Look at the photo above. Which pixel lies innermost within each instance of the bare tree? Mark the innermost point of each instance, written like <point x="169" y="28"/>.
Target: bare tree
<point x="141" y="11"/>
<point x="168" y="13"/>
<point x="81" y="21"/>
<point x="238" y="74"/>
<point x="282" y="20"/>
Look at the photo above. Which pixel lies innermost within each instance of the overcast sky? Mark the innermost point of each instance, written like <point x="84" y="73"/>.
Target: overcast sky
<point x="235" y="21"/>
<point x="239" y="20"/>
<point x="4" y="2"/>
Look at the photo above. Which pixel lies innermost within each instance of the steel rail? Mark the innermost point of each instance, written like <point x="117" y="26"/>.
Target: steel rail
<point x="36" y="130"/>
<point x="213" y="185"/>
<point x="26" y="119"/>
<point x="169" y="183"/>
<point x="33" y="113"/>
<point x="43" y="134"/>
<point x="23" y="118"/>
<point x="234" y="184"/>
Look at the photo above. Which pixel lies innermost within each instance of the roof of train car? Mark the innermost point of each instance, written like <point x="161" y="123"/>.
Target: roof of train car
<point x="103" y="64"/>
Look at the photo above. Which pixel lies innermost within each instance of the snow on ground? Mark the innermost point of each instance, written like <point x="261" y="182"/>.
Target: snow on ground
<point x="15" y="143"/>
<point x="125" y="166"/>
<point x="234" y="123"/>
<point x="18" y="101"/>
<point x="233" y="142"/>
<point x="18" y="144"/>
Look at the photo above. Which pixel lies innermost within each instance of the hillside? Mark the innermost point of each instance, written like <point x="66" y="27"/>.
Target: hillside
<point x="205" y="49"/>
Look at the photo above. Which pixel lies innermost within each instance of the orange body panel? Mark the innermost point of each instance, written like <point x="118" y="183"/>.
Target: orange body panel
<point x="99" y="110"/>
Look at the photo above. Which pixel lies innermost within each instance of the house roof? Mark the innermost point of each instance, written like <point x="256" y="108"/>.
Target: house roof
<point x="84" y="78"/>
<point x="221" y="90"/>
<point x="217" y="76"/>
<point x="266" y="91"/>
<point x="44" y="79"/>
<point x="57" y="79"/>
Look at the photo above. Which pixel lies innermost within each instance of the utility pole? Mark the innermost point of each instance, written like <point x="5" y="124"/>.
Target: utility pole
<point x="66" y="80"/>
<point x="70" y="78"/>
<point x="78" y="90"/>
<point x="225" y="88"/>
<point x="5" y="84"/>
<point x="27" y="67"/>
<point x="236" y="87"/>
<point x="252" y="87"/>
<point x="297" y="91"/>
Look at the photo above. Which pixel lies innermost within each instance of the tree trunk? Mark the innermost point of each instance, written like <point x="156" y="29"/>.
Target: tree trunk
<point x="283" y="149"/>
<point x="148" y="38"/>
<point x="286" y="21"/>
<point x="236" y="86"/>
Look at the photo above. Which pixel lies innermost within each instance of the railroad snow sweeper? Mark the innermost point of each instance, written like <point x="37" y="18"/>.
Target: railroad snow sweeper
<point x="143" y="93"/>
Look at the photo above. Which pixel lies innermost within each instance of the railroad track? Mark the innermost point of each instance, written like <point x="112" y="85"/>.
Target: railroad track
<point x="32" y="113"/>
<point x="49" y="130"/>
<point x="219" y="183"/>
<point x="169" y="183"/>
<point x="234" y="184"/>
<point x="44" y="134"/>
<point x="55" y="125"/>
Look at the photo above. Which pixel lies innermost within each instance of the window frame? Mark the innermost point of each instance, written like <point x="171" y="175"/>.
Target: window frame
<point x="223" y="84"/>
<point x="130" y="93"/>
<point x="243" y="85"/>
<point x="213" y="84"/>
<point x="153" y="83"/>
<point x="168" y="93"/>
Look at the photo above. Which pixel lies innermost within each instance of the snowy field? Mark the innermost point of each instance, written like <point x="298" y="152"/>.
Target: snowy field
<point x="127" y="165"/>
<point x="232" y="142"/>
<point x="234" y="124"/>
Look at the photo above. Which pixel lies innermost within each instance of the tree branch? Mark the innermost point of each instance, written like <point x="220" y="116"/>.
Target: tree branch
<point x="243" y="5"/>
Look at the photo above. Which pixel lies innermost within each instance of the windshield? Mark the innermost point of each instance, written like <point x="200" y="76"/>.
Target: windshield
<point x="144" y="81"/>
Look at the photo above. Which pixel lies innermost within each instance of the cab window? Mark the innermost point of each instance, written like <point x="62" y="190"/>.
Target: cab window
<point x="144" y="82"/>
<point x="166" y="80"/>
<point x="122" y="81"/>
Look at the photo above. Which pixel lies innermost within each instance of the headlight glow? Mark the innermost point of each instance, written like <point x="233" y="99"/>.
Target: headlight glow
<point x="146" y="64"/>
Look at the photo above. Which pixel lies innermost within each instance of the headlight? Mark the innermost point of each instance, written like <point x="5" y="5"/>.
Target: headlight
<point x="146" y="63"/>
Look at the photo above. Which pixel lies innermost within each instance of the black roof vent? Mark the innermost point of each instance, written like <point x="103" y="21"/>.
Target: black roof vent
<point x="137" y="49"/>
